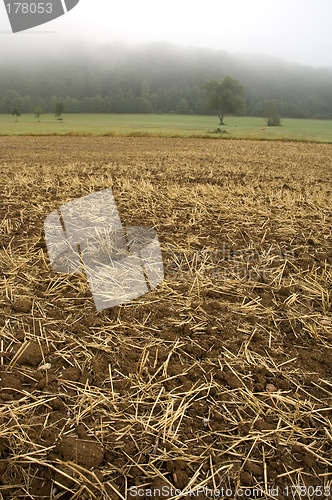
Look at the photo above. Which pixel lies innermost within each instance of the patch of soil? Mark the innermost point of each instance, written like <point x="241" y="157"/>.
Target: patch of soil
<point x="219" y="376"/>
<point x="86" y="453"/>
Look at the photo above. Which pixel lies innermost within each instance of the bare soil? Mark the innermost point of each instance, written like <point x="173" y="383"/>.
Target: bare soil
<point x="222" y="375"/>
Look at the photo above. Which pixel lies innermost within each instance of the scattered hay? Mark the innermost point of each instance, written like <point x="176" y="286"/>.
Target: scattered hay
<point x="220" y="377"/>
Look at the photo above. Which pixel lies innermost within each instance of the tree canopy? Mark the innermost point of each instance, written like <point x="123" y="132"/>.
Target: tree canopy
<point x="59" y="109"/>
<point x="16" y="112"/>
<point x="38" y="112"/>
<point x="225" y="98"/>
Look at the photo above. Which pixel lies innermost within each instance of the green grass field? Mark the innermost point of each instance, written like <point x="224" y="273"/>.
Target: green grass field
<point x="167" y="126"/>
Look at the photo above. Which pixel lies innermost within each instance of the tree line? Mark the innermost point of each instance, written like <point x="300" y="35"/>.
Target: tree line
<point x="162" y="79"/>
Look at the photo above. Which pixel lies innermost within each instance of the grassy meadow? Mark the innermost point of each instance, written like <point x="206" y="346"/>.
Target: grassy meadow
<point x="167" y="125"/>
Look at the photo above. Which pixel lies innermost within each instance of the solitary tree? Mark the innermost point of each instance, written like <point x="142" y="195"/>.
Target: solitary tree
<point x="59" y="109"/>
<point x="225" y="98"/>
<point x="16" y="112"/>
<point x="38" y="112"/>
<point x="272" y="115"/>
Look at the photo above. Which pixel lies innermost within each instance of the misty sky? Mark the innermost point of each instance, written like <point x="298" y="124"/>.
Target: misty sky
<point x="294" y="30"/>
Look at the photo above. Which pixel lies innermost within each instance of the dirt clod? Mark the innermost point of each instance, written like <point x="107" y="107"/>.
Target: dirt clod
<point x="22" y="306"/>
<point x="32" y="355"/>
<point x="86" y="453"/>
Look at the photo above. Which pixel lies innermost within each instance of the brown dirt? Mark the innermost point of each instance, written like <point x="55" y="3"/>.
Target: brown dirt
<point x="222" y="375"/>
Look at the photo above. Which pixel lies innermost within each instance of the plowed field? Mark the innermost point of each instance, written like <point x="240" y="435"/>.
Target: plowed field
<point x="221" y="377"/>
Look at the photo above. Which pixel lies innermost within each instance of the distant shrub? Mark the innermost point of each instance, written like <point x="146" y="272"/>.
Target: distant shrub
<point x="274" y="121"/>
<point x="272" y="116"/>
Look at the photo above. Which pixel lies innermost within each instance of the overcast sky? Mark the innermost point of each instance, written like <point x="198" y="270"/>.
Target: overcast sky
<point x="293" y="30"/>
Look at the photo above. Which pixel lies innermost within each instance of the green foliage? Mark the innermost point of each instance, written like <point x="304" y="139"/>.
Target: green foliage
<point x="16" y="112"/>
<point x="225" y="98"/>
<point x="272" y="115"/>
<point x="59" y="109"/>
<point x="274" y="121"/>
<point x="182" y="107"/>
<point x="38" y="112"/>
<point x="11" y="99"/>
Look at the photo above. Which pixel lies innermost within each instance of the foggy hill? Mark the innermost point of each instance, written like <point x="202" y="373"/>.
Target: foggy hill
<point x="155" y="78"/>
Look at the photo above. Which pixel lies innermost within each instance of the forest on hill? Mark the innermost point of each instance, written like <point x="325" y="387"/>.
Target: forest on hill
<point x="160" y="78"/>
